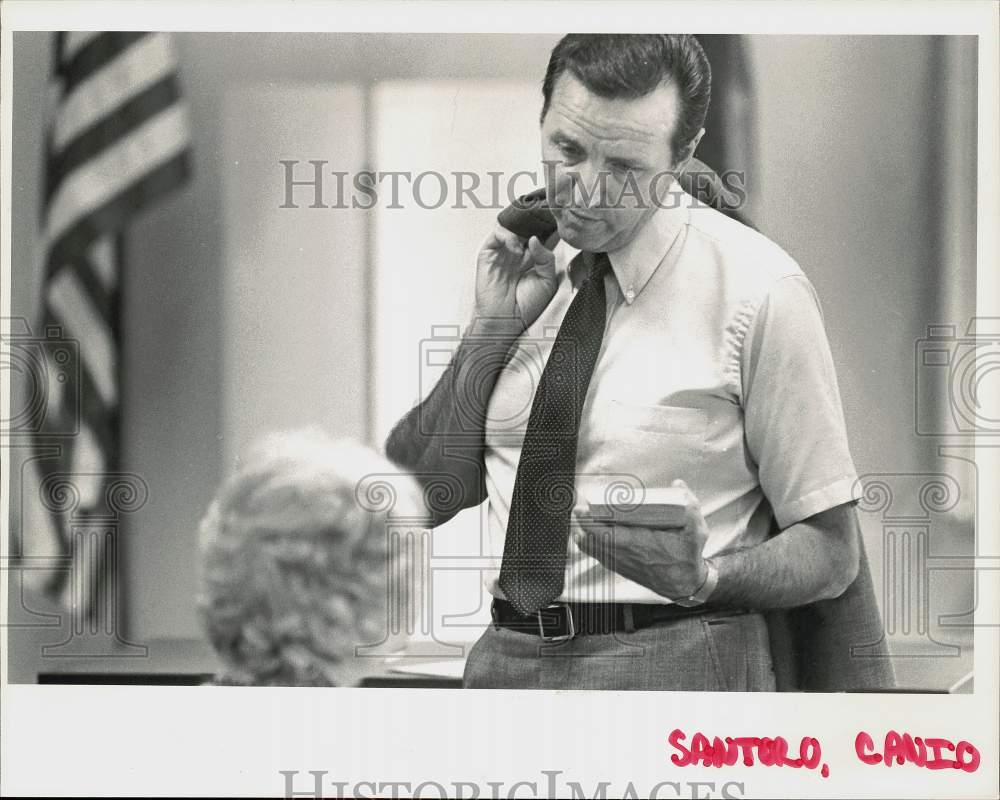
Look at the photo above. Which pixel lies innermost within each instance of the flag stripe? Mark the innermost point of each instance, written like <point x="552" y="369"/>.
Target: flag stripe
<point x="62" y="395"/>
<point x="109" y="130"/>
<point x="70" y="42"/>
<point x="100" y="179"/>
<point x="102" y="419"/>
<point x="97" y="351"/>
<point x="101" y="256"/>
<point x="108" y="217"/>
<point x="87" y="404"/>
<point x="89" y="462"/>
<point x="93" y="54"/>
<point x="57" y="579"/>
<point x="139" y="66"/>
<point x="101" y="300"/>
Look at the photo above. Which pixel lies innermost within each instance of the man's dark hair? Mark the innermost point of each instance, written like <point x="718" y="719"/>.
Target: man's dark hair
<point x="632" y="66"/>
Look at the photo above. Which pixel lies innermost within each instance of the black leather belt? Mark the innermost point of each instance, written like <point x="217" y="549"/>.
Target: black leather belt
<point x="561" y="621"/>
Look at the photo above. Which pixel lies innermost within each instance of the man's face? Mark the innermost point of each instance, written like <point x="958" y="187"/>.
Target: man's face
<point x="603" y="157"/>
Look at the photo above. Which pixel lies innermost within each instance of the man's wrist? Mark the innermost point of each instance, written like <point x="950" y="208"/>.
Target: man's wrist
<point x="701" y="595"/>
<point x="500" y="328"/>
<point x="483" y="340"/>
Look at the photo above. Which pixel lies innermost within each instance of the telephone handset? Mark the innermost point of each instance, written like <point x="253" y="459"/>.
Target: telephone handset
<point x="529" y="215"/>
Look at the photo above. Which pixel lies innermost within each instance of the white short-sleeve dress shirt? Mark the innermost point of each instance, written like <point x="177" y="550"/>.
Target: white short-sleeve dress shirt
<point x="714" y="368"/>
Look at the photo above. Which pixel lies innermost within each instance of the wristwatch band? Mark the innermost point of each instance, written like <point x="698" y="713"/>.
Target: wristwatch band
<point x="705" y="591"/>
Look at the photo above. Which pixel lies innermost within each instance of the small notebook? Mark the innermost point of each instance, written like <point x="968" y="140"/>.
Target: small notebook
<point x="652" y="508"/>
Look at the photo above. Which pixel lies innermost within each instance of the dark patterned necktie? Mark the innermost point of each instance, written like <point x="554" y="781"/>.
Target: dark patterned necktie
<point x="534" y="553"/>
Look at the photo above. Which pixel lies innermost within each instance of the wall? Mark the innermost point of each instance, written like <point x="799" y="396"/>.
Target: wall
<point x="850" y="184"/>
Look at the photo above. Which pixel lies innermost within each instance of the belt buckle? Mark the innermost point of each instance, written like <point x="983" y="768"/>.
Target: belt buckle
<point x="569" y="618"/>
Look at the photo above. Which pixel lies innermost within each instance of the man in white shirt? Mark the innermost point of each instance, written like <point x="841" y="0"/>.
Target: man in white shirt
<point x="712" y="375"/>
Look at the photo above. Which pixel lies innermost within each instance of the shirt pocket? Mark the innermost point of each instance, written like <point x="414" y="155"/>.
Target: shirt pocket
<point x="657" y="420"/>
<point x="655" y="443"/>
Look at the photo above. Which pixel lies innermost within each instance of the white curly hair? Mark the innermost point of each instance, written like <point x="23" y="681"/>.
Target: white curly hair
<point x="295" y="569"/>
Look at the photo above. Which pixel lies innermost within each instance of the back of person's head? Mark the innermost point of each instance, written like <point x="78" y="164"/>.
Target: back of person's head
<point x="632" y="65"/>
<point x="295" y="567"/>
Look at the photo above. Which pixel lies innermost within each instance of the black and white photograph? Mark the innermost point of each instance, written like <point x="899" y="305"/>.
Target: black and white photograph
<point x="637" y="367"/>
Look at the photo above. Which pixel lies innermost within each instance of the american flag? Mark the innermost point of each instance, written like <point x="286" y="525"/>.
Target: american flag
<point x="117" y="140"/>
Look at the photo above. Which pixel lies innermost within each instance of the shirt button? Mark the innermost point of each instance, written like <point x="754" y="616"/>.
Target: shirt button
<point x="630" y="294"/>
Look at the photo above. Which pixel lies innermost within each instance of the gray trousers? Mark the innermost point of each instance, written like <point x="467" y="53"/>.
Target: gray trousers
<point x="717" y="651"/>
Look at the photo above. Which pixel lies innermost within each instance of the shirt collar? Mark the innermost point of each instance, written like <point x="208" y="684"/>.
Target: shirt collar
<point x="634" y="263"/>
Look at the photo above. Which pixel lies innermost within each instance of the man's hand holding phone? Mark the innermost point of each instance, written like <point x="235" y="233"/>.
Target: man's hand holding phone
<point x="515" y="278"/>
